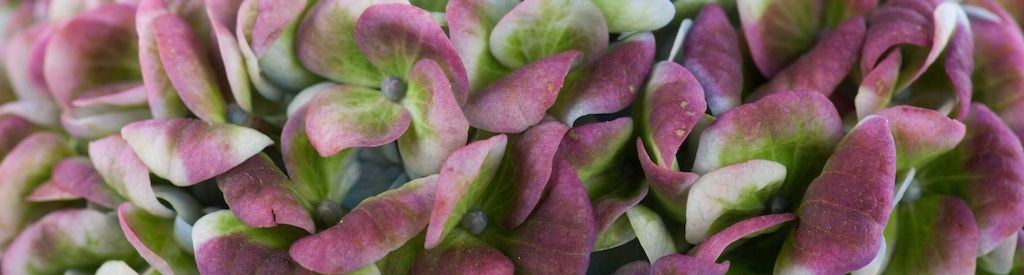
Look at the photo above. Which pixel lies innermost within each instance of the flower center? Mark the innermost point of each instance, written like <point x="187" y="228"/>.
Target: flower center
<point x="393" y="88"/>
<point x="475" y="221"/>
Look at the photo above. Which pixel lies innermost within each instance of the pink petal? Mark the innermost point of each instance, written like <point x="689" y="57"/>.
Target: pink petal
<point x="521" y="99"/>
<point x="260" y="195"/>
<point x="343" y="117"/>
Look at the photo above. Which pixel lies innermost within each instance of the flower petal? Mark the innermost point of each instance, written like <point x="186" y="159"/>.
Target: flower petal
<point x="273" y="62"/>
<point x="779" y="31"/>
<point x="877" y="88"/>
<point x="326" y="42"/>
<point x="78" y="177"/>
<point x="469" y="24"/>
<point x="729" y="194"/>
<point x="377" y="226"/>
<point x="823" y="67"/>
<point x="593" y="148"/>
<point x="153" y="237"/>
<point x="673" y="103"/>
<point x="999" y="51"/>
<point x="163" y="99"/>
<point x="12" y="130"/>
<point x="686" y="265"/>
<point x="713" y="247"/>
<point x="464" y="255"/>
<point x="651" y="232"/>
<point x="23" y="52"/>
<point x="521" y="99"/>
<point x="67" y="239"/>
<point x="187" y="151"/>
<point x="25" y="168"/>
<point x="225" y="245"/>
<point x="530" y="159"/>
<point x="549" y="21"/>
<point x="315" y="178"/>
<point x="796" y="129"/>
<point x="936" y="234"/>
<point x="186" y="64"/>
<point x="610" y="83"/>
<point x="123" y="171"/>
<point x="636" y="16"/>
<point x="670" y="187"/>
<point x="712" y="53"/>
<point x="438" y="125"/>
<point x="846" y="208"/>
<point x="261" y="196"/>
<point x="394" y="37"/>
<point x="461" y="184"/>
<point x="921" y="134"/>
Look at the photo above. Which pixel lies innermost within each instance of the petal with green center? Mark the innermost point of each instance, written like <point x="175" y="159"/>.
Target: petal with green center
<point x="936" y="234"/>
<point x="528" y="162"/>
<point x="124" y="172"/>
<point x="188" y="151"/>
<point x="877" y="89"/>
<point x="593" y="148"/>
<point x="154" y="238"/>
<point x="315" y="178"/>
<point x="326" y="42"/>
<point x="187" y="66"/>
<point x="343" y="117"/>
<point x="225" y="245"/>
<point x="651" y="232"/>
<point x="921" y="25"/>
<point x="266" y="31"/>
<point x="729" y="194"/>
<point x="438" y="125"/>
<point x="714" y="246"/>
<point x="461" y="184"/>
<point x="670" y="187"/>
<point x="373" y="229"/>
<point x="261" y="196"/>
<point x="163" y="99"/>
<point x="611" y="207"/>
<point x="26" y="167"/>
<point x="394" y="37"/>
<point x="797" y="129"/>
<point x="921" y="134"/>
<point x="712" y="53"/>
<point x="779" y="31"/>
<point x="558" y="26"/>
<point x="463" y="254"/>
<point x="610" y="83"/>
<point x="76" y="176"/>
<point x="636" y="16"/>
<point x="845" y="209"/>
<point x="823" y="67"/>
<point x="559" y="236"/>
<point x="67" y="239"/>
<point x="222" y="19"/>
<point x="469" y="24"/>
<point x="999" y="51"/>
<point x="673" y="103"/>
<point x="521" y="99"/>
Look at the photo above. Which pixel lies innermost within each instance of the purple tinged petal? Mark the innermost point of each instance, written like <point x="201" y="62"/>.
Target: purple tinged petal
<point x="94" y="126"/>
<point x="223" y="244"/>
<point x="846" y="208"/>
<point x="316" y="178"/>
<point x="42" y="113"/>
<point x="188" y="151"/>
<point x="260" y="195"/>
<point x="877" y="88"/>
<point x="959" y="65"/>
<point x="712" y="53"/>
<point x="23" y="169"/>
<point x="609" y="208"/>
<point x="670" y="187"/>
<point x="532" y="156"/>
<point x="462" y="180"/>
<point x="49" y="191"/>
<point x="152" y="237"/>
<point x="326" y="42"/>
<point x="123" y="171"/>
<point x="779" y="31"/>
<point x="559" y="235"/>
<point x="680" y="264"/>
<point x="729" y="194"/>
<point x="590" y="148"/>
<point x="938" y="235"/>
<point x="921" y="134"/>
<point x="823" y="67"/>
<point x="376" y="227"/>
<point x="67" y="239"/>
<point x="12" y="130"/>
<point x="609" y="84"/>
<point x="463" y="258"/>
<point x="925" y="24"/>
<point x="1000" y="52"/>
<point x="77" y="176"/>
<point x="549" y="21"/>
<point x="713" y="247"/>
<point x="163" y="99"/>
<point x="996" y="191"/>
<point x="639" y="267"/>
<point x="521" y="99"/>
<point x="396" y="36"/>
<point x="673" y="103"/>
<point x="469" y="24"/>
<point x="222" y="15"/>
<point x="273" y="18"/>
<point x="343" y="117"/>
<point x="438" y="125"/>
<point x="24" y="52"/>
<point x="185" y="61"/>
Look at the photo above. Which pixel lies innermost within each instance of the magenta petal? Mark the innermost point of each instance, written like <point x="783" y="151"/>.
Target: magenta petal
<point x="187" y="151"/>
<point x="395" y="36"/>
<point x="610" y="83"/>
<point x="559" y="235"/>
<point x="377" y="226"/>
<point x="347" y="116"/>
<point x="779" y="31"/>
<point x="12" y="130"/>
<point x="456" y="185"/>
<point x="937" y="235"/>
<point x="258" y="193"/>
<point x="78" y="177"/>
<point x="877" y="88"/>
<point x="639" y="267"/>
<point x="999" y="56"/>
<point x="713" y="247"/>
<point x="846" y="208"/>
<point x="586" y="147"/>
<point x="673" y="103"/>
<point x="187" y="65"/>
<point x="225" y="245"/>
<point x="996" y="192"/>
<point x="463" y="258"/>
<point x="469" y="24"/>
<point x="669" y="186"/>
<point x="610" y="207"/>
<point x="163" y="99"/>
<point x="898" y="23"/>
<point x="712" y="53"/>
<point x="680" y="264"/>
<point x="824" y="66"/>
<point x="49" y="191"/>
<point x="124" y="172"/>
<point x="271" y="20"/>
<point x="921" y="134"/>
<point x="959" y="65"/>
<point x="521" y="99"/>
<point x="532" y="156"/>
<point x="153" y="238"/>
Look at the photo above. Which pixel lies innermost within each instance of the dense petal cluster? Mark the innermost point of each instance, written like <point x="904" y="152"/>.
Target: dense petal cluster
<point x="511" y="136"/>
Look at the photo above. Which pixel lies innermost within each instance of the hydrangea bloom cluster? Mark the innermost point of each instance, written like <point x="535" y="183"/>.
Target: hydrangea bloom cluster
<point x="511" y="136"/>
